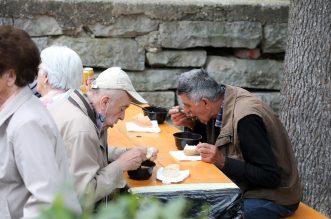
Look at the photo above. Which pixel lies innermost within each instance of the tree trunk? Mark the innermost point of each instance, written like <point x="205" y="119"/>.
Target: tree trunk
<point x="306" y="97"/>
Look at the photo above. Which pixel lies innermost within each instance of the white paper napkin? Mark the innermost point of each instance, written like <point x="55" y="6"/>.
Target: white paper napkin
<point x="179" y="155"/>
<point x="133" y="127"/>
<point x="183" y="174"/>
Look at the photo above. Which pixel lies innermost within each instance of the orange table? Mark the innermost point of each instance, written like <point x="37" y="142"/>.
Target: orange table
<point x="200" y="172"/>
<point x="202" y="175"/>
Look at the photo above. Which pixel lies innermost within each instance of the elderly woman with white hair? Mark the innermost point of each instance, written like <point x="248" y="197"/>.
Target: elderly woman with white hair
<point x="61" y="69"/>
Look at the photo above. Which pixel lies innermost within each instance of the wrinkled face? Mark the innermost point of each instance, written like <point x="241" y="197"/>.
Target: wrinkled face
<point x="116" y="108"/>
<point x="199" y="110"/>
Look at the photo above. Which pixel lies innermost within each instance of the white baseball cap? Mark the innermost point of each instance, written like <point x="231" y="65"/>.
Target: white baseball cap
<point x="115" y="78"/>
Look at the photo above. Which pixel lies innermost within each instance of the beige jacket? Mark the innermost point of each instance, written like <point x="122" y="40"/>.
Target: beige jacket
<point x="87" y="154"/>
<point x="33" y="162"/>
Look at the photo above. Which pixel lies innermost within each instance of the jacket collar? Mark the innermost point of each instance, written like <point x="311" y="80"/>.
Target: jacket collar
<point x="19" y="99"/>
<point x="83" y="103"/>
<point x="230" y="97"/>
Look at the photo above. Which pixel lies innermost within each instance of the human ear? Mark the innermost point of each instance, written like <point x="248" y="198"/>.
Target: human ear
<point x="205" y="102"/>
<point x="208" y="105"/>
<point x="104" y="102"/>
<point x="10" y="76"/>
<point x="45" y="81"/>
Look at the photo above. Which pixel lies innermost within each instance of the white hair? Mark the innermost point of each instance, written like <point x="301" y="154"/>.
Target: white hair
<point x="63" y="67"/>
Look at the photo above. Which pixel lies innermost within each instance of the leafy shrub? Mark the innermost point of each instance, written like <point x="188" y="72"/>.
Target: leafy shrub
<point x="124" y="207"/>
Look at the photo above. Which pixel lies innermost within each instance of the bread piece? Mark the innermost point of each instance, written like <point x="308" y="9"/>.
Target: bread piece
<point x="171" y="171"/>
<point x="150" y="152"/>
<point x="190" y="150"/>
<point x="142" y="121"/>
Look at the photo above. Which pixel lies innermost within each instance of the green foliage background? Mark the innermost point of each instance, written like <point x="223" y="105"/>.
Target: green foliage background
<point x="125" y="207"/>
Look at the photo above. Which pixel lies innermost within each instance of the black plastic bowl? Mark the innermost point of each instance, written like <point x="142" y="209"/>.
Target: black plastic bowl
<point x="143" y="172"/>
<point x="183" y="138"/>
<point x="156" y="113"/>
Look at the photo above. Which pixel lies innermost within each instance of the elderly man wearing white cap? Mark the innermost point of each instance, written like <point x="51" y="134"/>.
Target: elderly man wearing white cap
<point x="83" y="121"/>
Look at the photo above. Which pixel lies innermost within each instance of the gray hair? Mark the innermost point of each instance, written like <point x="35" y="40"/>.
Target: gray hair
<point x="197" y="84"/>
<point x="63" y="66"/>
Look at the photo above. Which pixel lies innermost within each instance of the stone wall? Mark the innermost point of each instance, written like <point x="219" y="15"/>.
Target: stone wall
<point x="240" y="43"/>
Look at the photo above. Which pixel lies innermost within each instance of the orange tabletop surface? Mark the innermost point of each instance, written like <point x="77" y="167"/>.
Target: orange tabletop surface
<point x="200" y="172"/>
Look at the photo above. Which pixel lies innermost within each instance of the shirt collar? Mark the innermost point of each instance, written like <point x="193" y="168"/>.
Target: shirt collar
<point x="218" y="122"/>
